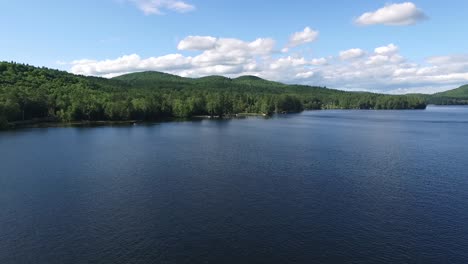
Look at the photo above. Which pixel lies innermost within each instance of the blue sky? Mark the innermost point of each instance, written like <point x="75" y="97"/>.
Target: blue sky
<point x="423" y="45"/>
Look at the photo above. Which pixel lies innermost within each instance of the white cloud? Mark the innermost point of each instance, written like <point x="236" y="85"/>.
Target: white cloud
<point x="377" y="60"/>
<point x="452" y="59"/>
<point x="387" y="50"/>
<point x="130" y="63"/>
<point x="197" y="43"/>
<point x="385" y="54"/>
<point x="352" y="54"/>
<point x="288" y="62"/>
<point x="380" y="70"/>
<point x="229" y="51"/>
<point x="306" y="36"/>
<point x="319" y="61"/>
<point x="218" y="56"/>
<point x="422" y="89"/>
<point x="156" y="7"/>
<point x="393" y="14"/>
<point x="305" y="75"/>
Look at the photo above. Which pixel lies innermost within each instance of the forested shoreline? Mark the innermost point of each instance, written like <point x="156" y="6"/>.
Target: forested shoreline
<point x="32" y="93"/>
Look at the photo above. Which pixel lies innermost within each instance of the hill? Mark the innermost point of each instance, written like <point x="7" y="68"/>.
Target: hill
<point x="32" y="93"/>
<point x="452" y="97"/>
<point x="143" y="78"/>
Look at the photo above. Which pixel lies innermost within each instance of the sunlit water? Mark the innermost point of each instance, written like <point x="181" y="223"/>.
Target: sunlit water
<point x="316" y="187"/>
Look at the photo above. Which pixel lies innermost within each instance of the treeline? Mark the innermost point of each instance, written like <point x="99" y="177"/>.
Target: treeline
<point x="31" y="93"/>
<point x="448" y="101"/>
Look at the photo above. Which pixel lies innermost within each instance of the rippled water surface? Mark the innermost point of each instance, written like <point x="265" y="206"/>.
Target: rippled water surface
<point x="316" y="187"/>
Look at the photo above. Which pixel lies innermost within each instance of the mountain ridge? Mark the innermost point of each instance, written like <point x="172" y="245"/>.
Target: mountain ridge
<point x="457" y="96"/>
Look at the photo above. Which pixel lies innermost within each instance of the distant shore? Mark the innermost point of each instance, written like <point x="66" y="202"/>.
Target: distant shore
<point x="52" y="122"/>
<point x="45" y="123"/>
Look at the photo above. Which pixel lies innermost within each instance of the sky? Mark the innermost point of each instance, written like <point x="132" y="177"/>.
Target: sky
<point x="379" y="46"/>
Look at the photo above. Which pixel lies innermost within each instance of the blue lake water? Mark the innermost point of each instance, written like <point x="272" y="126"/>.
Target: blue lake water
<point x="315" y="187"/>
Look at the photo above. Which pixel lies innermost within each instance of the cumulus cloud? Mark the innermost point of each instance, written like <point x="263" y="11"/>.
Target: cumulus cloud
<point x="156" y="7"/>
<point x="387" y="50"/>
<point x="130" y="63"/>
<point x="382" y="59"/>
<point x="218" y="56"/>
<point x="229" y="51"/>
<point x="288" y="62"/>
<point x="305" y="75"/>
<point x="394" y="15"/>
<point x="197" y="43"/>
<point x="352" y="54"/>
<point x="382" y="69"/>
<point x="319" y="61"/>
<point x="385" y="70"/>
<point x="451" y="59"/>
<point x="306" y="36"/>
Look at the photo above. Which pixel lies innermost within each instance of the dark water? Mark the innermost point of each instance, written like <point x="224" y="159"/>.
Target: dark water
<point x="317" y="187"/>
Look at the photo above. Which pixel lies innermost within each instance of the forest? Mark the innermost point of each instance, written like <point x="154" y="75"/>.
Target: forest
<point x="457" y="96"/>
<point x="32" y="93"/>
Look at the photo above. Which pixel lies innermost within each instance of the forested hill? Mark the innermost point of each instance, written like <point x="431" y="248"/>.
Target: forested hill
<point x="457" y="96"/>
<point x="31" y="93"/>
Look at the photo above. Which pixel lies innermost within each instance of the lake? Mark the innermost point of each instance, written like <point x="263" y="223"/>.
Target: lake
<point x="316" y="187"/>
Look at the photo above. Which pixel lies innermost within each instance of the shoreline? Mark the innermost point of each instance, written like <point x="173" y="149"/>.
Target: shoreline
<point x="52" y="123"/>
<point x="55" y="124"/>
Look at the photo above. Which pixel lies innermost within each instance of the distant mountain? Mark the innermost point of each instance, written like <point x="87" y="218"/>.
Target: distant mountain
<point x="148" y="76"/>
<point x="451" y="97"/>
<point x="455" y="96"/>
<point x="158" y="78"/>
<point x="460" y="92"/>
